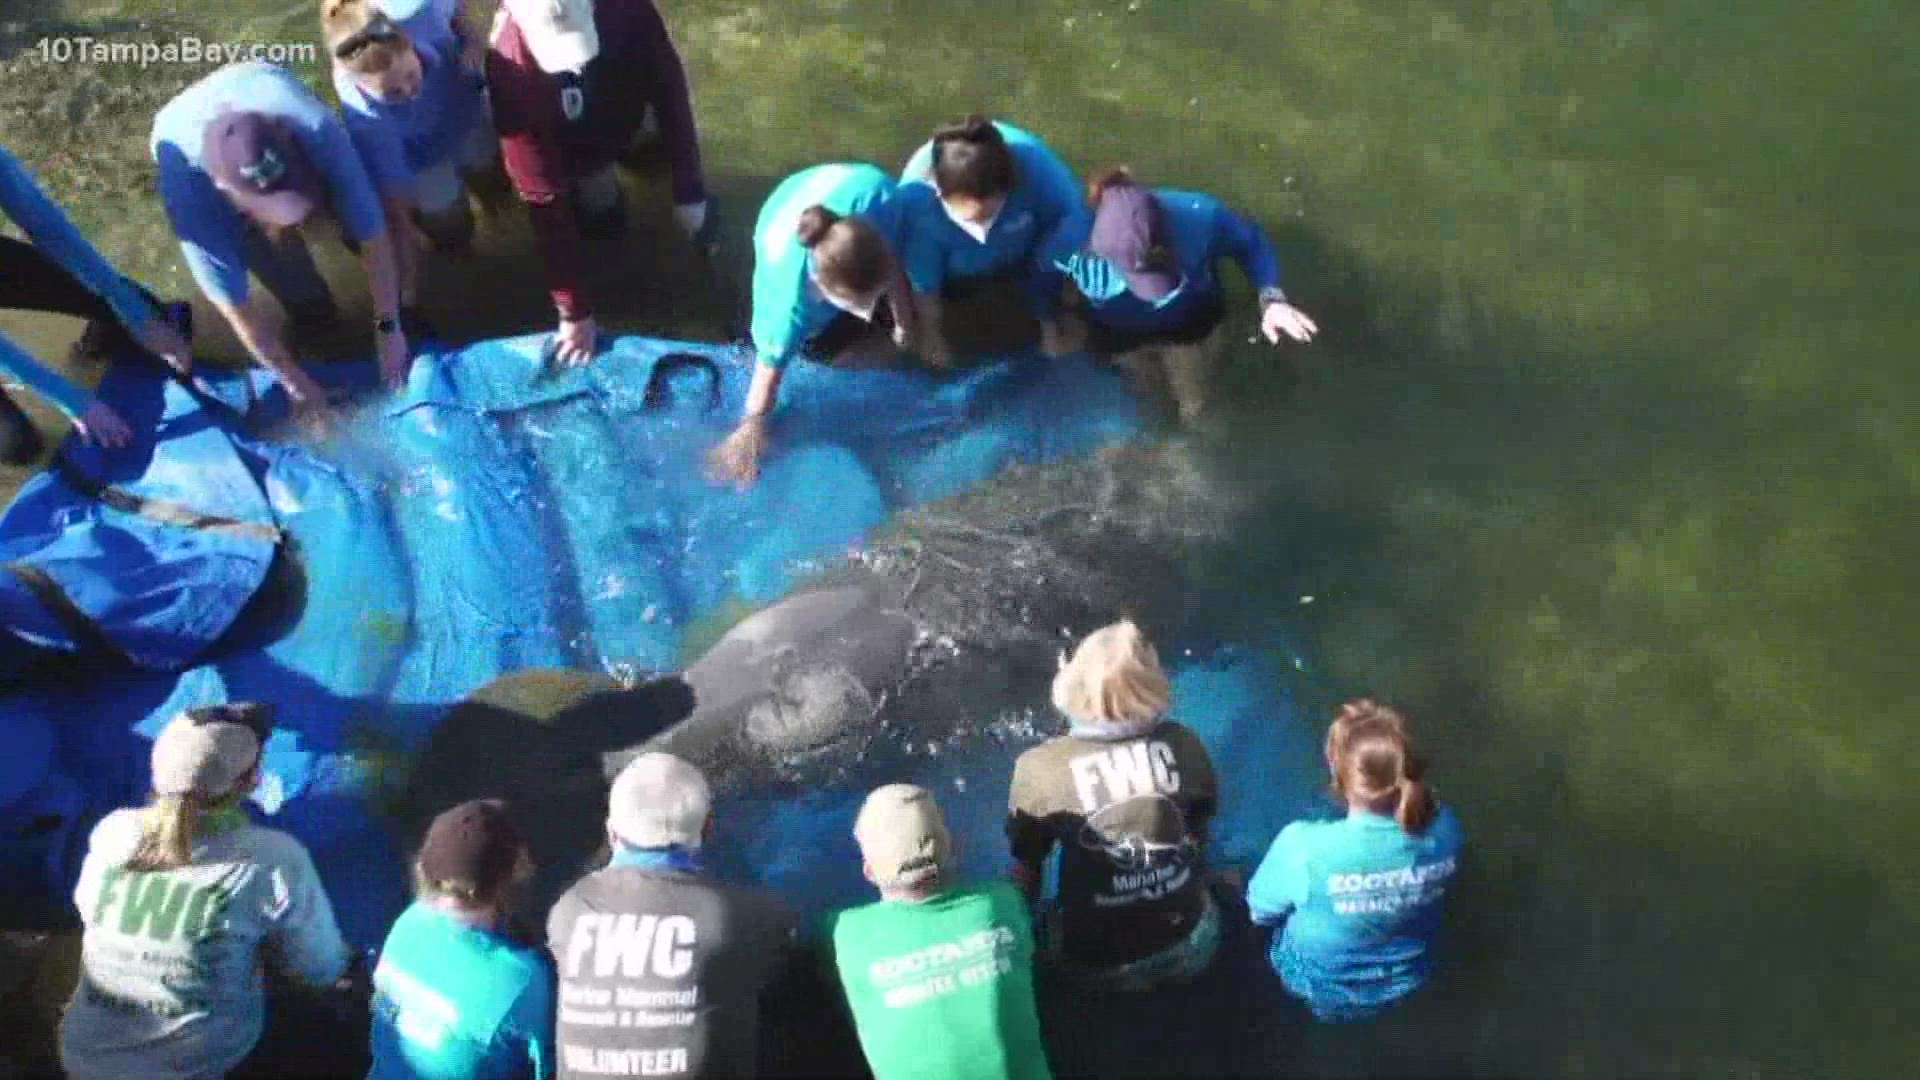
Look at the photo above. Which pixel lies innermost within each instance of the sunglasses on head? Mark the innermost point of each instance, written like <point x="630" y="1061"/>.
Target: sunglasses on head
<point x="378" y="30"/>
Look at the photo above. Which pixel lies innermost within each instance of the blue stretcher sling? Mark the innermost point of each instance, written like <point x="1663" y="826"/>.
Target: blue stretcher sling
<point x="495" y="514"/>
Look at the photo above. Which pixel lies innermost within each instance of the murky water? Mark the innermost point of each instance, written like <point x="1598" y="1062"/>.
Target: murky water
<point x="1605" y="466"/>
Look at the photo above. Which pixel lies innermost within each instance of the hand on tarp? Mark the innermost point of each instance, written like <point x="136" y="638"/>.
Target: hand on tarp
<point x="574" y="342"/>
<point x="99" y="425"/>
<point x="737" y="459"/>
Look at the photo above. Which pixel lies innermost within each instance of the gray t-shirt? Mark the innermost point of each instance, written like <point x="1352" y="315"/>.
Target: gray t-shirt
<point x="171" y="969"/>
<point x="661" y="974"/>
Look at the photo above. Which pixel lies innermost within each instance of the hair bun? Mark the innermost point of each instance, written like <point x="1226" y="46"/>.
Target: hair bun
<point x="814" y="223"/>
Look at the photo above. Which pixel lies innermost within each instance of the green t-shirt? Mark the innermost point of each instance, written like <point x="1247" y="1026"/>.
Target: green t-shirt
<point x="942" y="989"/>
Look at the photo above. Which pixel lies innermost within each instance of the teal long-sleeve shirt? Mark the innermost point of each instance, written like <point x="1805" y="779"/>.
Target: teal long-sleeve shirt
<point x="50" y="230"/>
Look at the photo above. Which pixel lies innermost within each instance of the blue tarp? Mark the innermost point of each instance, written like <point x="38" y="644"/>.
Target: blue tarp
<point x="492" y="516"/>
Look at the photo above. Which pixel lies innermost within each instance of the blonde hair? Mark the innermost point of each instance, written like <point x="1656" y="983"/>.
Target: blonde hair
<point x="170" y="825"/>
<point x="1373" y="762"/>
<point x="341" y="19"/>
<point x="1113" y="677"/>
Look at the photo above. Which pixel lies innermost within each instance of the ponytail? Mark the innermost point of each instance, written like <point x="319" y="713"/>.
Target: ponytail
<point x="1373" y="761"/>
<point x="167" y="832"/>
<point x="1115" y="176"/>
<point x="849" y="254"/>
<point x="970" y="158"/>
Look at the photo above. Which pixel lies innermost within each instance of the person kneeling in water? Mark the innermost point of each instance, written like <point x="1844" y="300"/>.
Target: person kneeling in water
<point x="1360" y="896"/>
<point x="183" y="902"/>
<point x="982" y="202"/>
<point x="1147" y="266"/>
<point x="652" y="937"/>
<point x="458" y="991"/>
<point x="939" y="975"/>
<point x="1126" y="795"/>
<point x="826" y="284"/>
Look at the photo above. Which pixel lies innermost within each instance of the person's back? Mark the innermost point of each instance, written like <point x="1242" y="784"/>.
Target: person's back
<point x="457" y="995"/>
<point x="661" y="969"/>
<point x="1360" y="897"/>
<point x="171" y="958"/>
<point x="1126" y="796"/>
<point x="942" y="987"/>
<point x="938" y="976"/>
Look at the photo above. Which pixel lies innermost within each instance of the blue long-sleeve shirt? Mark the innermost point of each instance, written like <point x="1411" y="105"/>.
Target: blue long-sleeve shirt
<point x="397" y="141"/>
<point x="211" y="229"/>
<point x="50" y="230"/>
<point x="788" y="307"/>
<point x="1360" y="901"/>
<point x="1201" y="230"/>
<point x="1045" y="201"/>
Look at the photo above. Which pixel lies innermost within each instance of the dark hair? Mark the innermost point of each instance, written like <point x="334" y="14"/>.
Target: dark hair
<point x="1114" y="176"/>
<point x="849" y="254"/>
<point x="970" y="158"/>
<point x="1373" y="761"/>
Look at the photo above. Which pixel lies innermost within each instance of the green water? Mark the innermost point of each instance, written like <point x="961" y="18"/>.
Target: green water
<point x="1605" y="466"/>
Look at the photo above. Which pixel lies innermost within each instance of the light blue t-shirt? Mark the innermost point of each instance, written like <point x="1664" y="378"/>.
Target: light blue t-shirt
<point x="1201" y="231"/>
<point x="1361" y="901"/>
<point x="398" y="140"/>
<point x="1045" y="199"/>
<point x="788" y="307"/>
<point x="455" y="1002"/>
<point x="211" y="229"/>
<point x="42" y="220"/>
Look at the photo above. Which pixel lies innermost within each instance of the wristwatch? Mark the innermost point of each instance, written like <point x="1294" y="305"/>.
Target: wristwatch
<point x="1271" y="295"/>
<point x="386" y="325"/>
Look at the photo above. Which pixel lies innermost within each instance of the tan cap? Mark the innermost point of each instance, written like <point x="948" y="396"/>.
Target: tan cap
<point x="903" y="837"/>
<point x="204" y="752"/>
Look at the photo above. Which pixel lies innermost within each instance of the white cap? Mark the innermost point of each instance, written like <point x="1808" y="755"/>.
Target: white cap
<point x="202" y="752"/>
<point x="659" y="801"/>
<point x="903" y="837"/>
<point x="559" y="33"/>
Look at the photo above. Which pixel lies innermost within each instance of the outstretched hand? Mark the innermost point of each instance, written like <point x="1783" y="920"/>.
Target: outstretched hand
<point x="1281" y="317"/>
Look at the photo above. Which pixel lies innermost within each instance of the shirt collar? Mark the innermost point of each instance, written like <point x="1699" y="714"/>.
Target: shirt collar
<point x="674" y="857"/>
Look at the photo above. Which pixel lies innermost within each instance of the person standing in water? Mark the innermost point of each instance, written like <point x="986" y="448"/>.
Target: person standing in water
<point x="573" y="83"/>
<point x="982" y="201"/>
<point x="1358" y="899"/>
<point x="459" y="992"/>
<point x="246" y="156"/>
<point x="1126" y="795"/>
<point x="827" y="284"/>
<point x="183" y="902"/>
<point x="1147" y="268"/>
<point x="939" y="974"/>
<point x="56" y="270"/>
<point x="418" y="119"/>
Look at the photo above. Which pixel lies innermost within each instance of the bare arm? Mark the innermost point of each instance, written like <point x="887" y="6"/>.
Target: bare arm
<point x="260" y="331"/>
